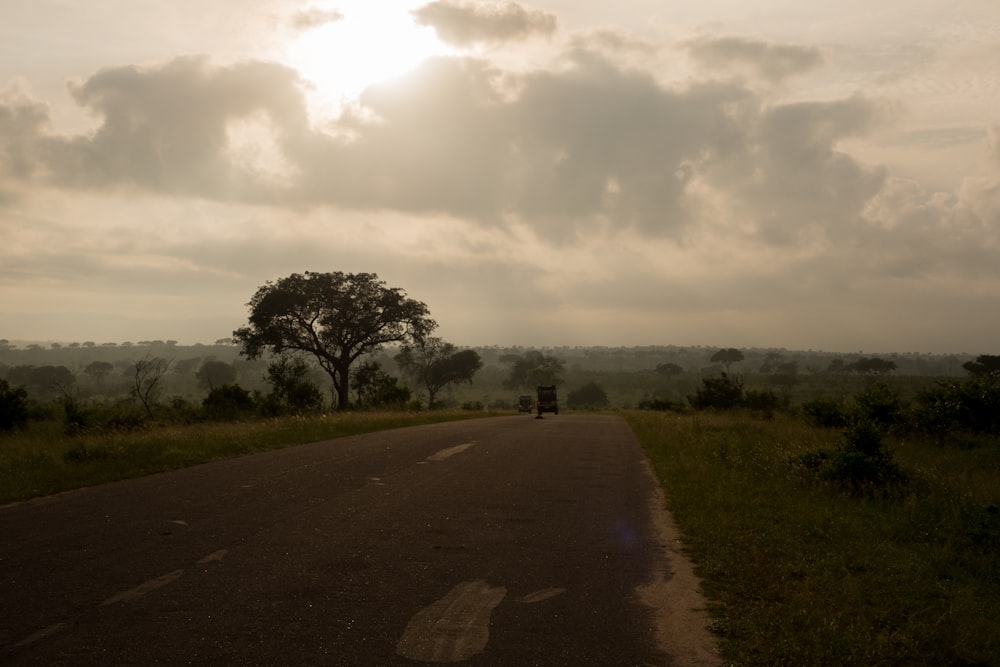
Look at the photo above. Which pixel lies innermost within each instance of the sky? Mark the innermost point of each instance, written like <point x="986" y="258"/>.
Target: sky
<point x="775" y="174"/>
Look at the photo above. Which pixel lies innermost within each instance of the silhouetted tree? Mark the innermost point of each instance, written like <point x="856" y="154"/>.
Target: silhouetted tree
<point x="146" y="376"/>
<point x="727" y="357"/>
<point x="434" y="364"/>
<point x="669" y="369"/>
<point x="336" y="317"/>
<point x="986" y="367"/>
<point x="214" y="374"/>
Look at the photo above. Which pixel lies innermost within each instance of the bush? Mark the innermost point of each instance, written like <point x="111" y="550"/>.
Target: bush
<point x="880" y="404"/>
<point x="292" y="391"/>
<point x="825" y="413"/>
<point x="663" y="404"/>
<point x="722" y="393"/>
<point x="590" y="395"/>
<point x="973" y="405"/>
<point x="762" y="401"/>
<point x="13" y="407"/>
<point x="861" y="464"/>
<point x="228" y="402"/>
<point x="80" y="420"/>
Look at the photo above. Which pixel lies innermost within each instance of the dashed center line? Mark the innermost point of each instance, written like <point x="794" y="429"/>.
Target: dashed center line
<point x="142" y="589"/>
<point x="451" y="451"/>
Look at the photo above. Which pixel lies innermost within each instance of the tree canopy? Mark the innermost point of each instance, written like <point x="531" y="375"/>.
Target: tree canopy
<point x="335" y="317"/>
<point x="727" y="357"/>
<point x="434" y="364"/>
<point x="532" y="369"/>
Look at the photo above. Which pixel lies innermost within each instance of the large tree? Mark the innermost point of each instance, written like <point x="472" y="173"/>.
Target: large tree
<point x="434" y="364"/>
<point x="336" y="317"/>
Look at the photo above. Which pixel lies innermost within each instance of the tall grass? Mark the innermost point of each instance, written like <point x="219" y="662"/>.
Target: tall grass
<point x="800" y="573"/>
<point x="43" y="460"/>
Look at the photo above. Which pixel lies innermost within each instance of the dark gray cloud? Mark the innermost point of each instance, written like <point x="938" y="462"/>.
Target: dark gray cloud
<point x="468" y="23"/>
<point x="771" y="62"/>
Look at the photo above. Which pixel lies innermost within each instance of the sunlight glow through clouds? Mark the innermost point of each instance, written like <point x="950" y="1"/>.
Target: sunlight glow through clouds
<point x="358" y="44"/>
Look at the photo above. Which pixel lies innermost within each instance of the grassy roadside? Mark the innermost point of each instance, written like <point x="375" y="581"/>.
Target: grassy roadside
<point x="43" y="460"/>
<point x="798" y="573"/>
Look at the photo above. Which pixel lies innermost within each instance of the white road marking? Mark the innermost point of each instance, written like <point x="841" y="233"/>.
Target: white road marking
<point x="454" y="628"/>
<point x="451" y="451"/>
<point x="142" y="589"/>
<point x="543" y="594"/>
<point x="41" y="634"/>
<point x="215" y="555"/>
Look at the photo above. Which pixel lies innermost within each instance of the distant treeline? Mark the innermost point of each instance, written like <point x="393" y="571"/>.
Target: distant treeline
<point x="628" y="375"/>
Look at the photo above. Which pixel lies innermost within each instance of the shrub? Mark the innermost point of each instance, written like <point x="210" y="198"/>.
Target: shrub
<point x="723" y="393"/>
<point x="662" y="404"/>
<point x="590" y="395"/>
<point x="825" y="413"/>
<point x="13" y="407"/>
<point x="861" y="464"/>
<point x="973" y="405"/>
<point x="80" y="420"/>
<point x="880" y="404"/>
<point x="762" y="401"/>
<point x="228" y="402"/>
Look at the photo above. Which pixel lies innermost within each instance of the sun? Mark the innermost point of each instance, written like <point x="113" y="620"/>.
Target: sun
<point x="363" y="43"/>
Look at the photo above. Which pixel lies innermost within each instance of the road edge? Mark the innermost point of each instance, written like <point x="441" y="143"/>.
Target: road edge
<point x="674" y="594"/>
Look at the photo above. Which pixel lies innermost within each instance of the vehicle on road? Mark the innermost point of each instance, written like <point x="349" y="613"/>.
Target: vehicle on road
<point x="547" y="401"/>
<point x="525" y="404"/>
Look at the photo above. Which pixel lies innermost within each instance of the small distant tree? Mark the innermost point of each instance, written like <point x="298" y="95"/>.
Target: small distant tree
<point x="727" y="357"/>
<point x="669" y="369"/>
<point x="214" y="374"/>
<point x="147" y="374"/>
<point x="533" y="368"/>
<point x="99" y="370"/>
<point x="434" y="364"/>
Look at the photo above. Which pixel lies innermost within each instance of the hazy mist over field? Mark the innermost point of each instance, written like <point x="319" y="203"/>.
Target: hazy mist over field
<point x="776" y="173"/>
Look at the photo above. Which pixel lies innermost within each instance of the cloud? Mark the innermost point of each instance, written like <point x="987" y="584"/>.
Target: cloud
<point x="586" y="150"/>
<point x="464" y="23"/>
<point x="773" y="63"/>
<point x="314" y="17"/>
<point x="162" y="128"/>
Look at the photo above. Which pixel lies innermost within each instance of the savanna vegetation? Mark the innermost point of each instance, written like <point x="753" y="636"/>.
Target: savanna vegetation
<point x="840" y="508"/>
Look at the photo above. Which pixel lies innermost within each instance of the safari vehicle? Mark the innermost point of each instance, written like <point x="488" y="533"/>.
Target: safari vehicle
<point x="525" y="404"/>
<point x="547" y="399"/>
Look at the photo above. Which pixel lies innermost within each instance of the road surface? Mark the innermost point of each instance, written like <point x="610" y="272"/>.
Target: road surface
<point x="499" y="541"/>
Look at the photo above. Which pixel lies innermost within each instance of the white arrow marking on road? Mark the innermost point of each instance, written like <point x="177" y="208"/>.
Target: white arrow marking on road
<point x="454" y="628"/>
<point x="451" y="451"/>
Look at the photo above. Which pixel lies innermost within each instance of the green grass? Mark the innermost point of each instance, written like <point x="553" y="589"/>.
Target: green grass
<point x="800" y="573"/>
<point x="43" y="460"/>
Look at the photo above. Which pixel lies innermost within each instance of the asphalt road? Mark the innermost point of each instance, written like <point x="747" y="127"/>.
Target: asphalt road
<point x="501" y="541"/>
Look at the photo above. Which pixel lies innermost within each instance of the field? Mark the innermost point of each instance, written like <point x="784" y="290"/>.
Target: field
<point x="799" y="572"/>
